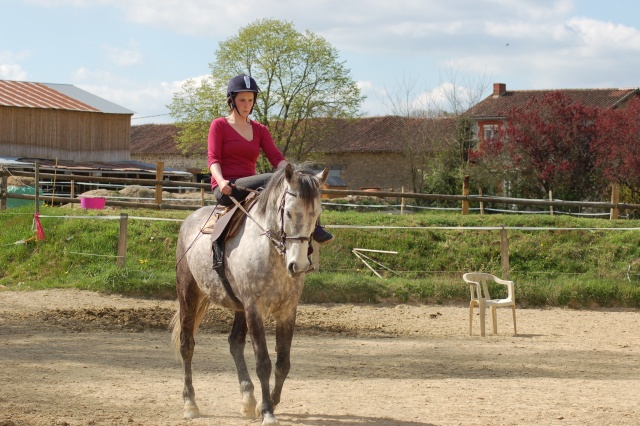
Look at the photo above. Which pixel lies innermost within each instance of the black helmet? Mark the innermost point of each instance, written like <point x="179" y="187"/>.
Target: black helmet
<point x="242" y="83"/>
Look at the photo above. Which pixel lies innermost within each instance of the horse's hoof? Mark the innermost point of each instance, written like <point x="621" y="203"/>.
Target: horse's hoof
<point x="270" y="420"/>
<point x="248" y="408"/>
<point x="191" y="410"/>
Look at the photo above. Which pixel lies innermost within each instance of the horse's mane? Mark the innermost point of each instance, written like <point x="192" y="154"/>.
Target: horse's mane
<point x="308" y="188"/>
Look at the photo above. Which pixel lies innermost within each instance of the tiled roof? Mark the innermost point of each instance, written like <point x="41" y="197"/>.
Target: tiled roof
<point x="381" y="134"/>
<point x="154" y="139"/>
<point x="495" y="106"/>
<point x="54" y="96"/>
<point x="370" y="134"/>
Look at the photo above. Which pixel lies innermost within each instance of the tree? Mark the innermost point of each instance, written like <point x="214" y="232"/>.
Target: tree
<point x="545" y="146"/>
<point x="300" y="78"/>
<point x="436" y="151"/>
<point x="193" y="109"/>
<point x="617" y="148"/>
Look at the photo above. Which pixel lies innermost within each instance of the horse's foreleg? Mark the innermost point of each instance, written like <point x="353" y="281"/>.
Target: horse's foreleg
<point x="284" y="337"/>
<point x="263" y="363"/>
<point x="237" y="340"/>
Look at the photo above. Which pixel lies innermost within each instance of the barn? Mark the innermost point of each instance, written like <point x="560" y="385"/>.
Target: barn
<point x="49" y="121"/>
<point x="66" y="129"/>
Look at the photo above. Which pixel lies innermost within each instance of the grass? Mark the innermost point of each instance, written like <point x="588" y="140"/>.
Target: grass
<point x="576" y="268"/>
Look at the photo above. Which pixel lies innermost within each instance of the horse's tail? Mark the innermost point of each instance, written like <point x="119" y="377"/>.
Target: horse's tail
<point x="176" y="327"/>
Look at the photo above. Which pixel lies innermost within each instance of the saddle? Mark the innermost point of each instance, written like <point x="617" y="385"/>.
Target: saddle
<point x="228" y="218"/>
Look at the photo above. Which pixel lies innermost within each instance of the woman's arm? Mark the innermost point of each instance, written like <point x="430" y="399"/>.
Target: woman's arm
<point x="223" y="184"/>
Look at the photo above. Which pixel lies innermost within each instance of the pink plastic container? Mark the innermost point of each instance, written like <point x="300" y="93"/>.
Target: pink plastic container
<point x="95" y="203"/>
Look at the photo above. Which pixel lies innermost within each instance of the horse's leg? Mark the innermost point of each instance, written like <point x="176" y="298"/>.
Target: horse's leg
<point x="193" y="306"/>
<point x="263" y="363"/>
<point x="284" y="336"/>
<point x="237" y="340"/>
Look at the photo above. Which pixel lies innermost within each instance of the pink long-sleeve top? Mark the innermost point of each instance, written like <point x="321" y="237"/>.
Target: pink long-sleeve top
<point x="236" y="155"/>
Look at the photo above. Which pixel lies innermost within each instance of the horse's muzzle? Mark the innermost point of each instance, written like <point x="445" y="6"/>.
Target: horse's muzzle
<point x="294" y="270"/>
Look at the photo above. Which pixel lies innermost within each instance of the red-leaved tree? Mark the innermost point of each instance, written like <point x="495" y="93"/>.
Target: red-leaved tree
<point x="546" y="145"/>
<point x="617" y="148"/>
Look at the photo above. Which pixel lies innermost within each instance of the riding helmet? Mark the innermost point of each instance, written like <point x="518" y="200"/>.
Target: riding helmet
<point x="242" y="83"/>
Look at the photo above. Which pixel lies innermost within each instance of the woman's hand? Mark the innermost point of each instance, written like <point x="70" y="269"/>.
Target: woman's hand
<point x="225" y="188"/>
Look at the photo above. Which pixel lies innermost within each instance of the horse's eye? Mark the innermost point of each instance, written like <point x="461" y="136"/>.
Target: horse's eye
<point x="288" y="215"/>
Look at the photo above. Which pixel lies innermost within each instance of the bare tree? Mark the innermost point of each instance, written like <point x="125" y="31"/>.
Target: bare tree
<point x="436" y="149"/>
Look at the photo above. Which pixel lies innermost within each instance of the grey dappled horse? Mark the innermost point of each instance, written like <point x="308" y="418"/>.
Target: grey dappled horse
<point x="265" y="264"/>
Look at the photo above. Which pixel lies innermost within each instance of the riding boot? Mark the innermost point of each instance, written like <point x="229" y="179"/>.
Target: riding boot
<point x="320" y="235"/>
<point x="218" y="253"/>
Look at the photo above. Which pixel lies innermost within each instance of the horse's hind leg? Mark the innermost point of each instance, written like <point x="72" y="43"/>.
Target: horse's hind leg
<point x="284" y="337"/>
<point x="193" y="306"/>
<point x="237" y="340"/>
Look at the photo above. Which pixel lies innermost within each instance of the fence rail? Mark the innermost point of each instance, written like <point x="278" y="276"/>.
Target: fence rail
<point x="160" y="184"/>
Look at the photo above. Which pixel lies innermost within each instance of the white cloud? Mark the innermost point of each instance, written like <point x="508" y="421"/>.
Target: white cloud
<point x="10" y="67"/>
<point x="124" y="57"/>
<point x="149" y="99"/>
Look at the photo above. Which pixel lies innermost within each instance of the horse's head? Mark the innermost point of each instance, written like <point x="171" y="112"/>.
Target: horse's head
<point x="294" y="193"/>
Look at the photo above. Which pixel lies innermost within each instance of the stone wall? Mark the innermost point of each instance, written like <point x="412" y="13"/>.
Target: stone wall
<point x="385" y="171"/>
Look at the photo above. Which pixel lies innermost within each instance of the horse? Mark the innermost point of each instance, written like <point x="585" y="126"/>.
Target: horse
<point x="265" y="264"/>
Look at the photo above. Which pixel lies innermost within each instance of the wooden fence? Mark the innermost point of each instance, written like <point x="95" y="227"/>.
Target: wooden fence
<point x="614" y="206"/>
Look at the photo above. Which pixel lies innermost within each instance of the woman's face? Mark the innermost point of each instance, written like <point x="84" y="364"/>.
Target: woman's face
<point x="244" y="102"/>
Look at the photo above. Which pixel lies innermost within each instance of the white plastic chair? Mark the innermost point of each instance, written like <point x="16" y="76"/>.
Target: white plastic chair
<point x="480" y="297"/>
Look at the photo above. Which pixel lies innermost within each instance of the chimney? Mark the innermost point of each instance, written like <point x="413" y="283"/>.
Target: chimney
<point x="499" y="89"/>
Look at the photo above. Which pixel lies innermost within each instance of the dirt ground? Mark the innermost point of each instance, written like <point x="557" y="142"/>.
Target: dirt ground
<point x="69" y="357"/>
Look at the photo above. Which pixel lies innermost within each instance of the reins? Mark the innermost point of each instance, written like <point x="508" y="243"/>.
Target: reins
<point x="281" y="244"/>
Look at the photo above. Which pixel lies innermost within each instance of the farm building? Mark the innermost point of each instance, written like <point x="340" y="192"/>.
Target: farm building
<point x="363" y="153"/>
<point x="151" y="143"/>
<point x="489" y="115"/>
<point x="382" y="153"/>
<point x="42" y="120"/>
<point x="67" y="130"/>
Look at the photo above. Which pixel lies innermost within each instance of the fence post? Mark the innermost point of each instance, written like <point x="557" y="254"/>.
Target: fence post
<point x="465" y="193"/>
<point x="481" y="202"/>
<point x="122" y="240"/>
<point x="504" y="252"/>
<point x="402" y="202"/>
<point x="615" y="199"/>
<point x="37" y="185"/>
<point x="3" y="189"/>
<point x="551" y="199"/>
<point x="159" y="177"/>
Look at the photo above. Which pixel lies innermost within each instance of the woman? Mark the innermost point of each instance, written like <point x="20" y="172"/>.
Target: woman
<point x="234" y="146"/>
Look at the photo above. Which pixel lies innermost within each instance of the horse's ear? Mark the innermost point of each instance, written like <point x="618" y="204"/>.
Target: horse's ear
<point x="322" y="176"/>
<point x="288" y="172"/>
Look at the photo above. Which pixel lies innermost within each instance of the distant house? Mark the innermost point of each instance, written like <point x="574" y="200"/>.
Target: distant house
<point x="152" y="143"/>
<point x="363" y="153"/>
<point x="380" y="152"/>
<point x="489" y="115"/>
<point x="49" y="121"/>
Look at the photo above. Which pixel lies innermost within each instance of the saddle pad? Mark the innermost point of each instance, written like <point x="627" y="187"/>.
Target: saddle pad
<point x="218" y="212"/>
<point x="227" y="217"/>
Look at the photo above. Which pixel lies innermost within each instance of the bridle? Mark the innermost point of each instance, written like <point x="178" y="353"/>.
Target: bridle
<point x="281" y="243"/>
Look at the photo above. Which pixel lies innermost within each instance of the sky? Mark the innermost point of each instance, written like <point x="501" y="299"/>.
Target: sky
<point x="137" y="53"/>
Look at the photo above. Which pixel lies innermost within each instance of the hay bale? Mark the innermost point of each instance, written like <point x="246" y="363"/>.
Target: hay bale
<point x="137" y="191"/>
<point x="21" y="181"/>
